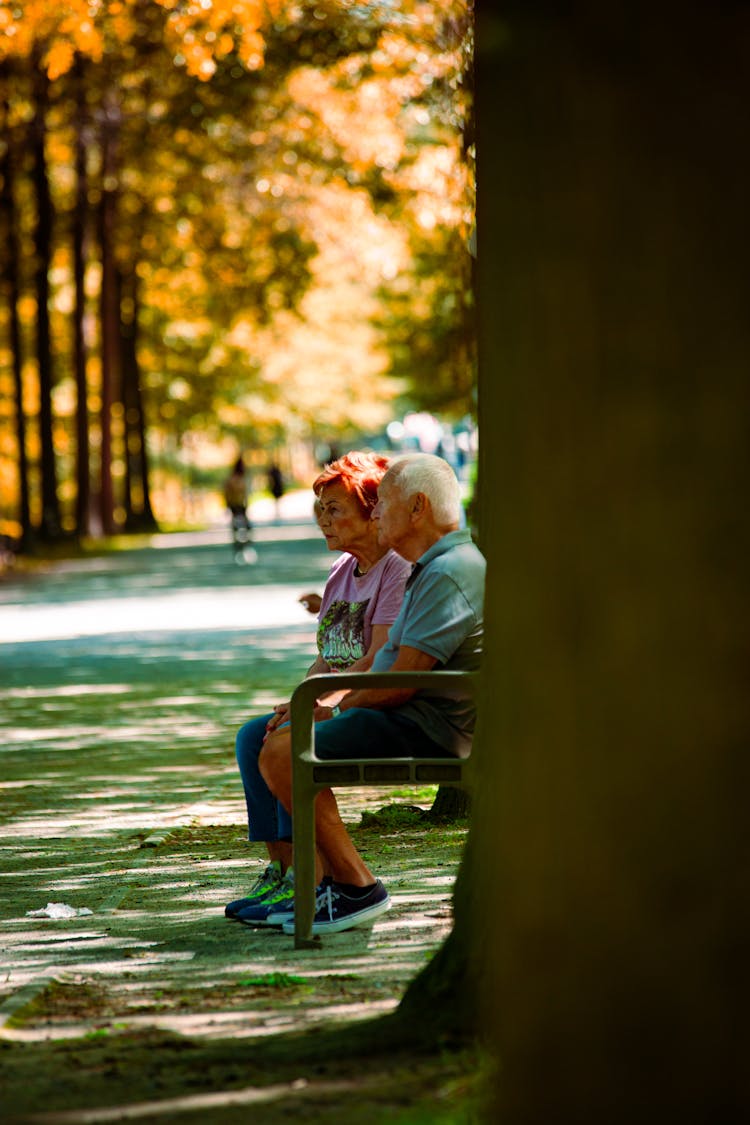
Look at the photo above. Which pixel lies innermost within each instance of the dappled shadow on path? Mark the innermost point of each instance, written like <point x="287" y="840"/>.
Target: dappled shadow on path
<point x="157" y="951"/>
<point x="124" y="684"/>
<point x="120" y="795"/>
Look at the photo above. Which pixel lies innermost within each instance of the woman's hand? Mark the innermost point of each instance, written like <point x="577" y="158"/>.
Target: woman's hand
<point x="282" y="712"/>
<point x="311" y="602"/>
<point x="281" y="715"/>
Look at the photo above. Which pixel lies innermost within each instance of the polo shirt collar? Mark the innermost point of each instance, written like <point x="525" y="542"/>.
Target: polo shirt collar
<point x="445" y="543"/>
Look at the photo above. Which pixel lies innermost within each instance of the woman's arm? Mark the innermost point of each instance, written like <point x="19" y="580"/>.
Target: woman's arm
<point x="379" y="637"/>
<point x="317" y="667"/>
<point x="282" y="711"/>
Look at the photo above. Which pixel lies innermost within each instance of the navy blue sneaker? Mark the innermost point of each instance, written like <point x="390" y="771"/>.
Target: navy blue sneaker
<point x="335" y="910"/>
<point x="257" y="913"/>
<point x="263" y="886"/>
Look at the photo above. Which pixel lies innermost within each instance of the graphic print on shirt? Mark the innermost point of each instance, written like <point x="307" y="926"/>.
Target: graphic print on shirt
<point x="341" y="634"/>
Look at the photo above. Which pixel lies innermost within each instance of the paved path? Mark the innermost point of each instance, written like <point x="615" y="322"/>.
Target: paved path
<point x="123" y="679"/>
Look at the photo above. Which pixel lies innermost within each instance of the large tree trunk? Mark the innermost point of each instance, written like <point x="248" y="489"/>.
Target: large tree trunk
<point x="616" y="197"/>
<point x="11" y="258"/>
<point x="50" y="521"/>
<point x="593" y="908"/>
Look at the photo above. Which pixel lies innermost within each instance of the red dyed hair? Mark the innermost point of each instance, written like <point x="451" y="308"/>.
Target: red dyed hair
<point x="359" y="473"/>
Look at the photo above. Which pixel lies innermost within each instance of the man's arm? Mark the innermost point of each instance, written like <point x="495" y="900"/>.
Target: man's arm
<point x="383" y="699"/>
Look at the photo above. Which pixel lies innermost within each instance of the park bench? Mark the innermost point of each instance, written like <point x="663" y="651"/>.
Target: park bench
<point x="310" y="774"/>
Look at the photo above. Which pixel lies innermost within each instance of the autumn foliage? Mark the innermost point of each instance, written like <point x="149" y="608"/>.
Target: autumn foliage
<point x="224" y="222"/>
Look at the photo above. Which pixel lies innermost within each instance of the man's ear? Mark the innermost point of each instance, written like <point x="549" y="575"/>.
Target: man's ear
<point x="419" y="504"/>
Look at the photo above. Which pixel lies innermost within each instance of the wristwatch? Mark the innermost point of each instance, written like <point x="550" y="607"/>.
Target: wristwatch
<point x="335" y="711"/>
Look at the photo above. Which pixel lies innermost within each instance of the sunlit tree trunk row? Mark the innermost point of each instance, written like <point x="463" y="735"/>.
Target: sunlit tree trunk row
<point x="54" y="446"/>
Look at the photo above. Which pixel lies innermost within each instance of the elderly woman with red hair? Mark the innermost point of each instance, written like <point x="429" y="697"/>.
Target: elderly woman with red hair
<point x="360" y="602"/>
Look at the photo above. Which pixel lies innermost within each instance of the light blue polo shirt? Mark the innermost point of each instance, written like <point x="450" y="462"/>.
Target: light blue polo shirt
<point x="442" y="615"/>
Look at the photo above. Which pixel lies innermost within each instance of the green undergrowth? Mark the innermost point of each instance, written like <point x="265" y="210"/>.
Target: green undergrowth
<point x="411" y="818"/>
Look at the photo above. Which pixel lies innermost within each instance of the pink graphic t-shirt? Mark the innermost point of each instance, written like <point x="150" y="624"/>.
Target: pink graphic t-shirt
<point x="352" y="605"/>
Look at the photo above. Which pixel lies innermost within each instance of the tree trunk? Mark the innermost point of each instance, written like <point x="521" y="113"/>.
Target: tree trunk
<point x="50" y="521"/>
<point x="593" y="908"/>
<point x="450" y="804"/>
<point x="11" y="258"/>
<point x="79" y="238"/>
<point x="109" y="311"/>
<point x="140" y="516"/>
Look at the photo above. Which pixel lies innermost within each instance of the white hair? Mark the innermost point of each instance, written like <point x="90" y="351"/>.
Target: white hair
<point x="423" y="472"/>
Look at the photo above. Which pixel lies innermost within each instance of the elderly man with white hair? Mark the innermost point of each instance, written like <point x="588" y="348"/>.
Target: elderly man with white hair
<point x="439" y="626"/>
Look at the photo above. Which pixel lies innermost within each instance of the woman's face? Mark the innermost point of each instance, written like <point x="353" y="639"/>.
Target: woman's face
<point x="342" y="520"/>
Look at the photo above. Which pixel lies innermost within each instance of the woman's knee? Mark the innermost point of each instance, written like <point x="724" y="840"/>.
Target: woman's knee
<point x="249" y="740"/>
<point x="274" y="758"/>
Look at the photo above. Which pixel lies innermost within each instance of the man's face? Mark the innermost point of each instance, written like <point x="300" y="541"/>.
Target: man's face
<point x="392" y="515"/>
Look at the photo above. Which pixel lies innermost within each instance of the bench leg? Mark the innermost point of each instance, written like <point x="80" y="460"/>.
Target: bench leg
<point x="303" y="833"/>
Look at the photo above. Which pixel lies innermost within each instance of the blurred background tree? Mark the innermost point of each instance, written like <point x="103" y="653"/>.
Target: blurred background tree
<point x="238" y="224"/>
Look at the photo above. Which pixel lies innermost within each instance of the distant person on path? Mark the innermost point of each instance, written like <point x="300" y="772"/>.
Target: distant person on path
<point x="440" y="625"/>
<point x="361" y="600"/>
<point x="276" y="485"/>
<point x="235" y="496"/>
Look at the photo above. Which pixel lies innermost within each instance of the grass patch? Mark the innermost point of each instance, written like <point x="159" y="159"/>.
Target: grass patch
<point x="423" y="795"/>
<point x="272" y="980"/>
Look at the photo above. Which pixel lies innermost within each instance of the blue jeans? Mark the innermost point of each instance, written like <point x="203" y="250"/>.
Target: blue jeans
<point x="267" y="819"/>
<point x="358" y="732"/>
<point x="363" y="732"/>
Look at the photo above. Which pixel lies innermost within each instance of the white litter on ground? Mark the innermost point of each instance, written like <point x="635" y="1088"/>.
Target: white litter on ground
<point x="59" y="910"/>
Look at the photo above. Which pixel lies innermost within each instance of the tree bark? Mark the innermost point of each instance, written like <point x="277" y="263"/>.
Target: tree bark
<point x="140" y="516"/>
<point x="597" y="928"/>
<point x="11" y="258"/>
<point x="79" y="239"/>
<point x="450" y="803"/>
<point x="50" y="520"/>
<point x="109" y="310"/>
<point x="615" y="201"/>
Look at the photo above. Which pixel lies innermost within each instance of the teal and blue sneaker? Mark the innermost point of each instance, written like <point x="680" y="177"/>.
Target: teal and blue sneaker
<point x="264" y="884"/>
<point x="256" y="914"/>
